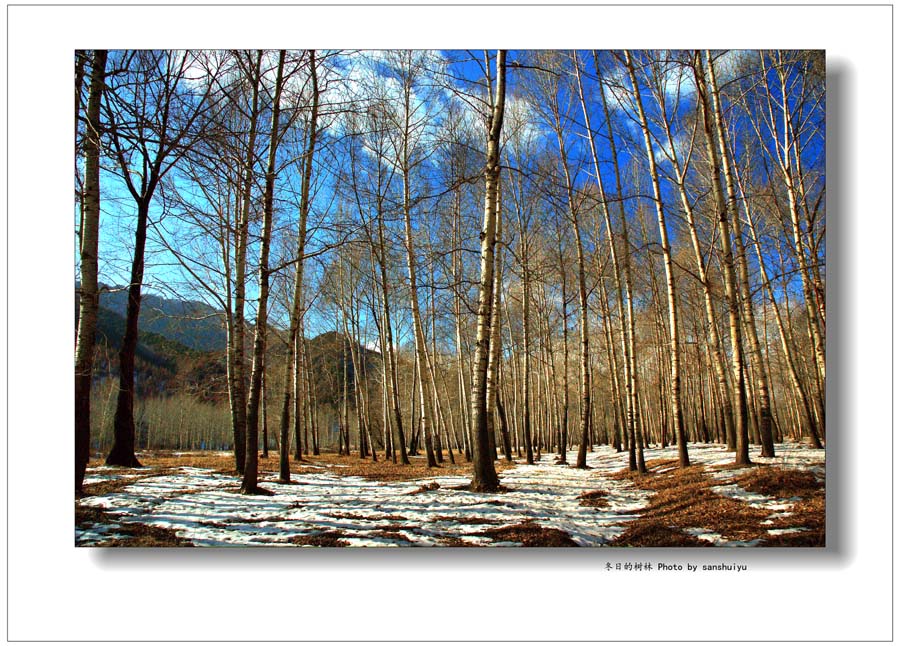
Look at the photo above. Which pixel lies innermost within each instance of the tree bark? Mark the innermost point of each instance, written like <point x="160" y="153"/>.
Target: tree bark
<point x="90" y="296"/>
<point x="749" y="319"/>
<point x="675" y="353"/>
<point x="239" y="386"/>
<point x="635" y="456"/>
<point x="122" y="452"/>
<point x="295" y="334"/>
<point x="249" y="485"/>
<point x="484" y="474"/>
<point x="742" y="453"/>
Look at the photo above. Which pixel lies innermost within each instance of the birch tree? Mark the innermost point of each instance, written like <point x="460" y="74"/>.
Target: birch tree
<point x="291" y="374"/>
<point x="88" y="234"/>
<point x="723" y="221"/>
<point x="484" y="476"/>
<point x="675" y="350"/>
<point x="251" y="468"/>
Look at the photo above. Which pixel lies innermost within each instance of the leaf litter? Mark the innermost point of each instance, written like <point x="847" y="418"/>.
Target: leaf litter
<point x="544" y="504"/>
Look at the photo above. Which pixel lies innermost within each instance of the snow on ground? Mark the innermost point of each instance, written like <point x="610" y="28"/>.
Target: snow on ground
<point x="787" y="456"/>
<point x="97" y="533"/>
<point x="206" y="508"/>
<point x="717" y="539"/>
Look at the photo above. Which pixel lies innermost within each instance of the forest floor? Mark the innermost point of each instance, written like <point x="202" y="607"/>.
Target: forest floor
<point x="193" y="499"/>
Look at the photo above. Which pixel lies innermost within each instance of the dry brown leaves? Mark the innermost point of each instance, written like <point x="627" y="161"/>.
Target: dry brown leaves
<point x="654" y="535"/>
<point x="135" y="534"/>
<point x="597" y="498"/>
<point x="780" y="483"/>
<point x="470" y="520"/>
<point x="352" y="516"/>
<point x="808" y="513"/>
<point x="683" y="499"/>
<point x="428" y="486"/>
<point x="116" y="485"/>
<point x="324" y="539"/>
<point x="530" y="534"/>
<point x="352" y="465"/>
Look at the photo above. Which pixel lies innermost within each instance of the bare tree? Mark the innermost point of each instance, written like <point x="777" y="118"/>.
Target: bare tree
<point x="484" y="474"/>
<point x="251" y="466"/>
<point x="675" y="350"/>
<point x="723" y="219"/>
<point x="284" y="472"/>
<point x="152" y="115"/>
<point x="89" y="242"/>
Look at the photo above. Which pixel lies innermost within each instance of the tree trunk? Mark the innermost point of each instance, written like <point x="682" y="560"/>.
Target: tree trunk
<point x="742" y="454"/>
<point x="749" y="319"/>
<point x="295" y="332"/>
<point x="251" y="467"/>
<point x="635" y="461"/>
<point x="89" y="297"/>
<point x="675" y="353"/>
<point x="122" y="453"/>
<point x="493" y="370"/>
<point x="422" y="365"/>
<point x="484" y="475"/>
<point x="239" y="386"/>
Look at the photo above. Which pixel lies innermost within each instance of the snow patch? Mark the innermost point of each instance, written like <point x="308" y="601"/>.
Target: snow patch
<point x="206" y="508"/>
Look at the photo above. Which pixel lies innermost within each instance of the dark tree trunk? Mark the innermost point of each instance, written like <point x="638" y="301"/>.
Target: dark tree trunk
<point x="122" y="453"/>
<point x="251" y="467"/>
<point x="265" y="415"/>
<point x="504" y="428"/>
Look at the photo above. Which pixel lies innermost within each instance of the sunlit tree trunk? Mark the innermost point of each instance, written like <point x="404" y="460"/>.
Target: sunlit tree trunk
<point x="422" y="362"/>
<point x="391" y="353"/>
<point x="89" y="297"/>
<point x="723" y="220"/>
<point x="484" y="475"/>
<point x="493" y="370"/>
<point x="808" y="425"/>
<point x="239" y="388"/>
<point x="749" y="318"/>
<point x="675" y="353"/>
<point x="617" y="269"/>
<point x="635" y="456"/>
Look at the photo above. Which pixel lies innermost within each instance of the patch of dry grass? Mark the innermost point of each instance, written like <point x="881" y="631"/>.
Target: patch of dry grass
<point x="428" y="486"/>
<point x="597" y="498"/>
<point x="780" y="483"/>
<point x="135" y="534"/>
<point x="530" y="534"/>
<point x="656" y="535"/>
<point x="684" y="499"/>
<point x="324" y="539"/>
<point x="352" y="465"/>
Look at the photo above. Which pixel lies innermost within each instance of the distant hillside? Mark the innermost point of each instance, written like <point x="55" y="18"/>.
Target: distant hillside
<point x="328" y="352"/>
<point x="191" y="323"/>
<point x="163" y="366"/>
<point x="181" y="348"/>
